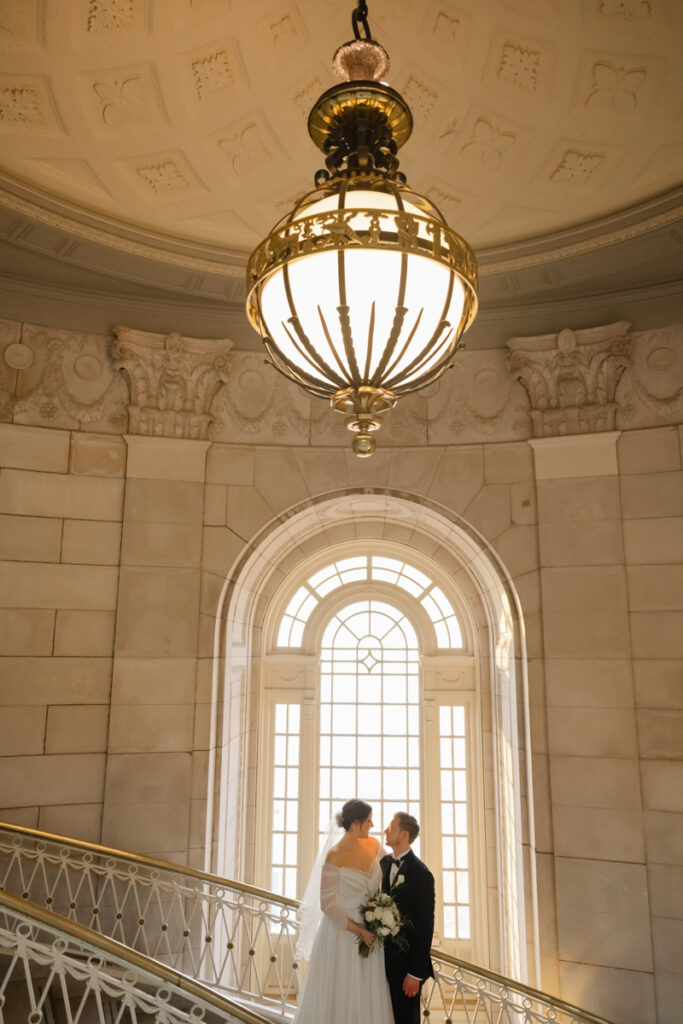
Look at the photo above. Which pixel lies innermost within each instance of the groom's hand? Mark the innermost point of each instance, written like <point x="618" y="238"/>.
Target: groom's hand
<point x="411" y="986"/>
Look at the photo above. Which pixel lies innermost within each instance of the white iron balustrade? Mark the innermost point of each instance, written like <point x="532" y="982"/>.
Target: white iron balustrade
<point x="53" y="970"/>
<point x="231" y="936"/>
<point x="235" y="938"/>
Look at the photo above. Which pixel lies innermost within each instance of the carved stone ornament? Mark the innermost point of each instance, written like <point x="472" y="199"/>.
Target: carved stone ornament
<point x="173" y="381"/>
<point x="571" y="377"/>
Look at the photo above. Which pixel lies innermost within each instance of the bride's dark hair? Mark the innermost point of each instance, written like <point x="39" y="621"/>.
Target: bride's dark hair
<point x="353" y="810"/>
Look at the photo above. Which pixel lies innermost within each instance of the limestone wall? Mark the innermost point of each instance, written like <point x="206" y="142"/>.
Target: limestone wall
<point x="61" y="504"/>
<point x="116" y="548"/>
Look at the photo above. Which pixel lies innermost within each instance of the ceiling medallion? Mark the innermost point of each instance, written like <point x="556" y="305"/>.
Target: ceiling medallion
<point x="362" y="292"/>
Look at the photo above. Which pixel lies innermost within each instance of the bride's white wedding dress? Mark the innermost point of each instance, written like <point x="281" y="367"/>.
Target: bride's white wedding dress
<point x="341" y="987"/>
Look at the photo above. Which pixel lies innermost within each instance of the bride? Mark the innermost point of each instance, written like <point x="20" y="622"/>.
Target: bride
<point x="341" y="987"/>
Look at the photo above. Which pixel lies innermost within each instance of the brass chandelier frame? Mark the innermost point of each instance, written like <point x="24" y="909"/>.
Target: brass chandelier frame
<point x="360" y="125"/>
<point x="324" y="232"/>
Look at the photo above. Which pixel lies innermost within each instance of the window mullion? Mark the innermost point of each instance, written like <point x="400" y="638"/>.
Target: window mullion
<point x="431" y="808"/>
<point x="308" y="789"/>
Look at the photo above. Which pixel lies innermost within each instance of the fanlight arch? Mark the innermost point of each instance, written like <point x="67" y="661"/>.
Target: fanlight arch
<point x="360" y="563"/>
<point x="493" y="634"/>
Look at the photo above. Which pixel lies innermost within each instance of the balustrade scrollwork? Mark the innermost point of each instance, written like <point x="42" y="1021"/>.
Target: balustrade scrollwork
<point x="52" y="970"/>
<point x="237" y="939"/>
<point x="234" y="938"/>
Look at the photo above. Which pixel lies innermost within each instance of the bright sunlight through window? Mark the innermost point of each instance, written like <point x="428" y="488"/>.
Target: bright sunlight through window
<point x="285" y="856"/>
<point x="369" y="712"/>
<point x="371" y="726"/>
<point x="358" y="569"/>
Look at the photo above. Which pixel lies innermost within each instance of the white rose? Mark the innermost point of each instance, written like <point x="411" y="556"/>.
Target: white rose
<point x="369" y="915"/>
<point x="377" y="914"/>
<point x="387" y="917"/>
<point x="384" y="931"/>
<point x="395" y="930"/>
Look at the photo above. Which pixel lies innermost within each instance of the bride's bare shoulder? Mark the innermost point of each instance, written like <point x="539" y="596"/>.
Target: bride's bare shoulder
<point x="333" y="857"/>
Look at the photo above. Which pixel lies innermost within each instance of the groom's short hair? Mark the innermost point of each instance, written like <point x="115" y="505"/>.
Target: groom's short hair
<point x="407" y="823"/>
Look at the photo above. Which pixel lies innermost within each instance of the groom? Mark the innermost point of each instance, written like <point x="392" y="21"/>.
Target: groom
<point x="411" y="885"/>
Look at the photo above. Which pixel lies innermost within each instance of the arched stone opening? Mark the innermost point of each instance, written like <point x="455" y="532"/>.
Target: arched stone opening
<point x="496" y="620"/>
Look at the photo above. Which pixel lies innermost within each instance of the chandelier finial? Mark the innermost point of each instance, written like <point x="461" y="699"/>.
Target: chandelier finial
<point x="361" y="60"/>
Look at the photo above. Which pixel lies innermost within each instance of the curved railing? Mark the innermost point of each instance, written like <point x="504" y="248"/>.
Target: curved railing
<point x="234" y="937"/>
<point x="55" y="969"/>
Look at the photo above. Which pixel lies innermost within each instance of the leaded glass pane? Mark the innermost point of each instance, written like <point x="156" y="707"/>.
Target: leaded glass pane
<point x="414" y="574"/>
<point x="455" y="840"/>
<point x="297" y="600"/>
<point x="385" y="570"/>
<point x="369" y="707"/>
<point x="413" y="588"/>
<point x="285" y="806"/>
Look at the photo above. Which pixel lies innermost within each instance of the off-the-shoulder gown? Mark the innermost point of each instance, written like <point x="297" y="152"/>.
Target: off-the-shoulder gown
<point x="341" y="987"/>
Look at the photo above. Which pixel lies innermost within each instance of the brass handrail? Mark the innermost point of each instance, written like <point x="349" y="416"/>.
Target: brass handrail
<point x="438" y="955"/>
<point x="117" y="951"/>
<point x="518" y="986"/>
<point x="152" y="862"/>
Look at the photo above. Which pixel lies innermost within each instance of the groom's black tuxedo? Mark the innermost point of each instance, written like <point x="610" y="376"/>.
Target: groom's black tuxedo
<point x="414" y="897"/>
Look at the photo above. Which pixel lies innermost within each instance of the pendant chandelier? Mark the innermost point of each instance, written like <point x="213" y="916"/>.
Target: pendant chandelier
<point x="362" y="292"/>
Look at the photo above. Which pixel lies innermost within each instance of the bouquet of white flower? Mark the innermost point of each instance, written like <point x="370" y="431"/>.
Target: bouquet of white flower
<point x="381" y="916"/>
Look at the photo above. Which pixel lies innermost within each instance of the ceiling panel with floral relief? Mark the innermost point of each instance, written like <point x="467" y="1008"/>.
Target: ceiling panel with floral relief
<point x="187" y="118"/>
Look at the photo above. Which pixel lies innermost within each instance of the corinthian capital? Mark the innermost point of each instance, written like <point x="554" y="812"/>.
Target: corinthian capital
<point x="571" y="378"/>
<point x="173" y="381"/>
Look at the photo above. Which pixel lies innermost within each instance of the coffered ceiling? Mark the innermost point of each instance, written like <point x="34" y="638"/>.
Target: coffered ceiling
<point x="175" y="130"/>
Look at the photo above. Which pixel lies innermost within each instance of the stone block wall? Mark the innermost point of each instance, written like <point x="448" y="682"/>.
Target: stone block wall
<point x="61" y="507"/>
<point x="154" y="677"/>
<point x="115" y="551"/>
<point x="651" y="485"/>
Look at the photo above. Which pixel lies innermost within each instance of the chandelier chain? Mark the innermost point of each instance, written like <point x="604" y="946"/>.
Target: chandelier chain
<point x="360" y="17"/>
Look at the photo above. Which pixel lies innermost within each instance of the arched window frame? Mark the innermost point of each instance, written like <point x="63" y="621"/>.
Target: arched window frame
<point x="448" y="677"/>
<point x="338" y="552"/>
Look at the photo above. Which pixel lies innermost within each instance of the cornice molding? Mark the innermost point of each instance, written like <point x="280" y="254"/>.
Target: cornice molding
<point x="119" y="236"/>
<point x="98" y="310"/>
<point x="621" y="226"/>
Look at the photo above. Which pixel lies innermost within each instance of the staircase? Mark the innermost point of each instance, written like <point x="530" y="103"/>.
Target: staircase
<point x="90" y="935"/>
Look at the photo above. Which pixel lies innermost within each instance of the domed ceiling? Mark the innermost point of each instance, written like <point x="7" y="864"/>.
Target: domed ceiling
<point x="184" y="121"/>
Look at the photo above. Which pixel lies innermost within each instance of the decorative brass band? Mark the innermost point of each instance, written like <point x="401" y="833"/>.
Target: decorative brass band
<point x="117" y="951"/>
<point x="333" y="230"/>
<point x="334" y="103"/>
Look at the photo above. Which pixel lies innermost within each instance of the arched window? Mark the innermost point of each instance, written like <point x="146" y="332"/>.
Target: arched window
<point x="371" y="690"/>
<point x="369" y="711"/>
<point x="377" y="568"/>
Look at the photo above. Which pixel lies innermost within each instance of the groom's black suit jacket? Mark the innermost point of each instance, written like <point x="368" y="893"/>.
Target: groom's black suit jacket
<point x="415" y="899"/>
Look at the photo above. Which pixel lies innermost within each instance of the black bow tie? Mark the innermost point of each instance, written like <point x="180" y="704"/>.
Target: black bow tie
<point x="397" y="862"/>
